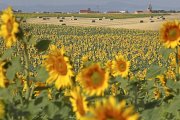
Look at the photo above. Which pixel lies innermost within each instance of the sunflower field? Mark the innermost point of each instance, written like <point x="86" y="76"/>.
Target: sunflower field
<point x="51" y="72"/>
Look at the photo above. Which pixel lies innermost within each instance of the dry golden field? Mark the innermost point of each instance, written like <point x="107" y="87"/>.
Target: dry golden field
<point x="129" y="23"/>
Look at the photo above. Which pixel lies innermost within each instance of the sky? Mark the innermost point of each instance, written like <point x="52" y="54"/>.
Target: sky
<point x="76" y="5"/>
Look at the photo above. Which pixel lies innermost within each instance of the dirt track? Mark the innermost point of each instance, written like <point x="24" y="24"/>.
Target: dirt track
<point x="131" y="23"/>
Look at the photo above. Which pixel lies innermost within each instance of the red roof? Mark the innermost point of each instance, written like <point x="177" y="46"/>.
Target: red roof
<point x="85" y="11"/>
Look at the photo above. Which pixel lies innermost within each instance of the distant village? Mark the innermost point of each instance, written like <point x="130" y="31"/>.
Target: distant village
<point x="149" y="10"/>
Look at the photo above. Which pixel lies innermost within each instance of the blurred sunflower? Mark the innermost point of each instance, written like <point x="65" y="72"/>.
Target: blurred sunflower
<point x="2" y="112"/>
<point x="157" y="94"/>
<point x="179" y="56"/>
<point x="79" y="103"/>
<point x="170" y="34"/>
<point x="111" y="110"/>
<point x="162" y="80"/>
<point x="120" y="66"/>
<point x="9" y="27"/>
<point x="58" y="67"/>
<point x="94" y="79"/>
<point x="3" y="79"/>
<point x="167" y="91"/>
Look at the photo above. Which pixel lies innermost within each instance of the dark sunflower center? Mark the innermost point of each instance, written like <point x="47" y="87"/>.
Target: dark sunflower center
<point x="110" y="119"/>
<point x="173" y="34"/>
<point x="121" y="65"/>
<point x="113" y="115"/>
<point x="61" y="66"/>
<point x="9" y="26"/>
<point x="96" y="78"/>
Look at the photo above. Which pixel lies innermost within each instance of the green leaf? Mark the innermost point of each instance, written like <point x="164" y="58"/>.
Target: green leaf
<point x="13" y="68"/>
<point x="11" y="73"/>
<point x="16" y="62"/>
<point x="173" y="85"/>
<point x="42" y="74"/>
<point x="4" y="94"/>
<point x="150" y="84"/>
<point x="165" y="52"/>
<point x="174" y="105"/>
<point x="37" y="105"/>
<point x="65" y="112"/>
<point x="123" y="82"/>
<point x="152" y="114"/>
<point x="52" y="110"/>
<point x="154" y="70"/>
<point x="7" y="54"/>
<point x="38" y="100"/>
<point x="32" y="41"/>
<point x="42" y="45"/>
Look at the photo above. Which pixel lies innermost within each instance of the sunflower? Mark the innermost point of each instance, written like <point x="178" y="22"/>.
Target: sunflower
<point x="3" y="79"/>
<point x="162" y="79"/>
<point x="110" y="109"/>
<point x="157" y="94"/>
<point x="9" y="27"/>
<point x="1" y="110"/>
<point x="120" y="66"/>
<point x="170" y="34"/>
<point x="108" y="65"/>
<point x="114" y="89"/>
<point x="79" y="103"/>
<point x="84" y="58"/>
<point x="94" y="79"/>
<point x="178" y="56"/>
<point x="58" y="67"/>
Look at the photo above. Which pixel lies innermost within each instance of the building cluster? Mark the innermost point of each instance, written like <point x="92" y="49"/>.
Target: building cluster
<point x="88" y="11"/>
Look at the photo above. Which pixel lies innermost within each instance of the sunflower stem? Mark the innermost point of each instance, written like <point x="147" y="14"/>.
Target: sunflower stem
<point x="27" y="71"/>
<point x="32" y="91"/>
<point x="177" y="64"/>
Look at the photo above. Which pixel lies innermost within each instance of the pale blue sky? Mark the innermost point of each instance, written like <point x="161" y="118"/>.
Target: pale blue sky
<point x="75" y="5"/>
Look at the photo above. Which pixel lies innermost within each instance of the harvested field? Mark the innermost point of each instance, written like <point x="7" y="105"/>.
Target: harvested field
<point x="129" y="23"/>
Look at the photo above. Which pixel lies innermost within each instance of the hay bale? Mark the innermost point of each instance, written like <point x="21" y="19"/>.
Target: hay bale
<point x="152" y="21"/>
<point x="163" y="18"/>
<point x="24" y="21"/>
<point x="141" y="21"/>
<point x="93" y="21"/>
<point x="39" y="17"/>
